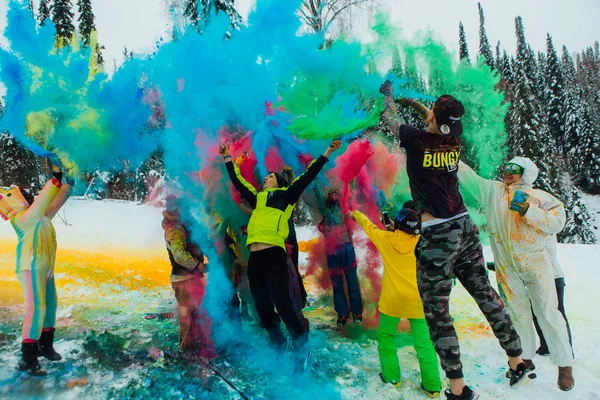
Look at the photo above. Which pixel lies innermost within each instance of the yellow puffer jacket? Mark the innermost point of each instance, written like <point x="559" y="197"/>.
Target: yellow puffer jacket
<point x="399" y="293"/>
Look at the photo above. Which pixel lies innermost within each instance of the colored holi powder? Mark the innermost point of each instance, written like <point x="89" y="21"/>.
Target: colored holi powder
<point x="273" y="95"/>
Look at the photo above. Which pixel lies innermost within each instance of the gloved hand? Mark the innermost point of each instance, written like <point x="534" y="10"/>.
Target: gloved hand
<point x="522" y="207"/>
<point x="491" y="266"/>
<point x="57" y="173"/>
<point x="386" y="88"/>
<point x="406" y="101"/>
<point x="69" y="180"/>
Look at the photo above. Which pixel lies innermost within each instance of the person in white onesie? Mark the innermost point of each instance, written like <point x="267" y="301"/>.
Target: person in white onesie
<point x="523" y="265"/>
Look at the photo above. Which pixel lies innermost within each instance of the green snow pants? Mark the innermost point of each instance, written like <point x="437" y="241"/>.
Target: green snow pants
<point x="388" y="354"/>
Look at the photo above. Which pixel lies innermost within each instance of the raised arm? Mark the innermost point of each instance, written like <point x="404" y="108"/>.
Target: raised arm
<point x="373" y="232"/>
<point x="390" y="114"/>
<point x="43" y="201"/>
<point x="476" y="186"/>
<point x="61" y="198"/>
<point x="298" y="186"/>
<point x="244" y="187"/>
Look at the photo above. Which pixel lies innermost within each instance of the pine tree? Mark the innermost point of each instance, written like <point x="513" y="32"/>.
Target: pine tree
<point x="577" y="228"/>
<point x="498" y="59"/>
<point x="62" y="16"/>
<point x="582" y="142"/>
<point x="554" y="95"/>
<point x="485" y="50"/>
<point x="43" y="12"/>
<point x="199" y="12"/>
<point x="528" y="133"/>
<point x="86" y="20"/>
<point x="19" y="165"/>
<point x="462" y="41"/>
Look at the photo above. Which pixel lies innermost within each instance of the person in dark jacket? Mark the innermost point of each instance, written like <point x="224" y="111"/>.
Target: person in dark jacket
<point x="268" y="231"/>
<point x="187" y="280"/>
<point x="341" y="258"/>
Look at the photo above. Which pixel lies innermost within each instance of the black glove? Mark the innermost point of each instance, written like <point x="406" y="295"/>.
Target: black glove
<point x="386" y="88"/>
<point x="491" y="266"/>
<point x="58" y="175"/>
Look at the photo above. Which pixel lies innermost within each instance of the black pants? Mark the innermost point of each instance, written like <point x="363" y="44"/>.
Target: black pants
<point x="269" y="280"/>
<point x="560" y="293"/>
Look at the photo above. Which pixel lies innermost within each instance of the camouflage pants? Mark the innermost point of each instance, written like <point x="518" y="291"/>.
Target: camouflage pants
<point x="453" y="248"/>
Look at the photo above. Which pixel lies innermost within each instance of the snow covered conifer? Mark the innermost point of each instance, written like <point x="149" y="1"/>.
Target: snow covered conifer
<point x="462" y="41"/>
<point x="485" y="50"/>
<point x="62" y="16"/>
<point x="578" y="226"/>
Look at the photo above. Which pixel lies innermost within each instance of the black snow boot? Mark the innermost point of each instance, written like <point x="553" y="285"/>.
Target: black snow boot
<point x="29" y="360"/>
<point x="467" y="394"/>
<point x="46" y="348"/>
<point x="522" y="371"/>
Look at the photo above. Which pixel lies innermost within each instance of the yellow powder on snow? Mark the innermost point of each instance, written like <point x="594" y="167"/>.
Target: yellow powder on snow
<point x="131" y="269"/>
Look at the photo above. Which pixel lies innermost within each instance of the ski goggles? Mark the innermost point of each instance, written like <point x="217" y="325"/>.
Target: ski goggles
<point x="513" y="169"/>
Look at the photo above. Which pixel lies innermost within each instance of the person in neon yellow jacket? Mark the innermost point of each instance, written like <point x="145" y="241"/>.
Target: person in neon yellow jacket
<point x="522" y="263"/>
<point x="268" y="230"/>
<point x="400" y="298"/>
<point x="36" y="251"/>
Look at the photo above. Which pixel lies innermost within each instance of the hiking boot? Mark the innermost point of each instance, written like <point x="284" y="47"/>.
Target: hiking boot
<point x="46" y="346"/>
<point x="302" y="362"/>
<point x="29" y="360"/>
<point x="528" y="364"/>
<point x="341" y="321"/>
<point x="467" y="394"/>
<point x="430" y="393"/>
<point x="543" y="351"/>
<point x="396" y="384"/>
<point x="521" y="372"/>
<point x="357" y="317"/>
<point x="566" y="381"/>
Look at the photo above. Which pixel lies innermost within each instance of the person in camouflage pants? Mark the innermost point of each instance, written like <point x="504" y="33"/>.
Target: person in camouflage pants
<point x="453" y="248"/>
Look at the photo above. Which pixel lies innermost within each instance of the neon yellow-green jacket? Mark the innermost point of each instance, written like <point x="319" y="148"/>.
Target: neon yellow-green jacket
<point x="272" y="207"/>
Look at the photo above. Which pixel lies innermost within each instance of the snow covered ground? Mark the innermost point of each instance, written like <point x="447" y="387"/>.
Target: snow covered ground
<point x="112" y="269"/>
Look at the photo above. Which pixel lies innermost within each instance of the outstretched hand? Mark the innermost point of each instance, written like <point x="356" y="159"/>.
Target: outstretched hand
<point x="333" y="147"/>
<point x="224" y="149"/>
<point x="386" y="88"/>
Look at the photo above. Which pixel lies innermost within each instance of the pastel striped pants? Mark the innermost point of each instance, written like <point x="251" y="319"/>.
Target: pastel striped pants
<point x="39" y="291"/>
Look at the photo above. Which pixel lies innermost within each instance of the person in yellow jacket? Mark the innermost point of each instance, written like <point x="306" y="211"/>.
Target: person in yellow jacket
<point x="268" y="230"/>
<point x="36" y="253"/>
<point x="400" y="298"/>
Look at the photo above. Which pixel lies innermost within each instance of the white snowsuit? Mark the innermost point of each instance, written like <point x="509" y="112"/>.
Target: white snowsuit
<point x="523" y="265"/>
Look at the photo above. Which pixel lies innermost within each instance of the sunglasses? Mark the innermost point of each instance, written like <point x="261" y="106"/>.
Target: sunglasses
<point x="513" y="169"/>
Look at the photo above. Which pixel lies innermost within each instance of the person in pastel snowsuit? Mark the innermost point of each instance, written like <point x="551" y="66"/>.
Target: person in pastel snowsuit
<point x="188" y="282"/>
<point x="36" y="254"/>
<point x="400" y="298"/>
<point x="522" y="263"/>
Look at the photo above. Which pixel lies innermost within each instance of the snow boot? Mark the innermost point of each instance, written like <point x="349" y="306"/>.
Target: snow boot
<point x="396" y="384"/>
<point x="543" y="351"/>
<point x="566" y="381"/>
<point x="357" y="317"/>
<point x="432" y="394"/>
<point x="341" y="321"/>
<point x="530" y="366"/>
<point x="467" y="394"/>
<point x="521" y="372"/>
<point x="29" y="360"/>
<point x="46" y="346"/>
<point x="302" y="362"/>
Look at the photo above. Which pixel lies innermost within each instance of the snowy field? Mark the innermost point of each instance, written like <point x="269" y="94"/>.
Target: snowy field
<point x="112" y="269"/>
